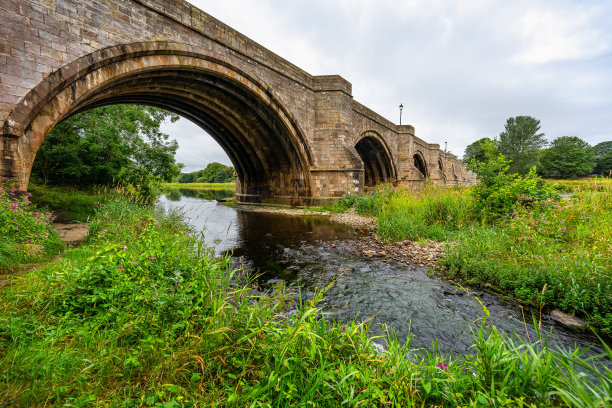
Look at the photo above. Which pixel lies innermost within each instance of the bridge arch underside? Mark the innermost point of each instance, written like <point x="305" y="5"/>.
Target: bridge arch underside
<point x="271" y="159"/>
<point x="378" y="167"/>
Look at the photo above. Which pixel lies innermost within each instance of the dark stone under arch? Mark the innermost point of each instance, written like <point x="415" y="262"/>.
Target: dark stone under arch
<point x="420" y="165"/>
<point x="376" y="162"/>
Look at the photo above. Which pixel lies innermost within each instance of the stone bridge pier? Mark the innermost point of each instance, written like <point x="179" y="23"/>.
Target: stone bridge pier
<point x="294" y="138"/>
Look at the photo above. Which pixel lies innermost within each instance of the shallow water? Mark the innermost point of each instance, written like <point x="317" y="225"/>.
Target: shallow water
<point x="299" y="252"/>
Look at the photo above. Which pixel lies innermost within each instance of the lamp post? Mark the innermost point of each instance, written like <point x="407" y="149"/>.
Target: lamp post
<point x="401" y="107"/>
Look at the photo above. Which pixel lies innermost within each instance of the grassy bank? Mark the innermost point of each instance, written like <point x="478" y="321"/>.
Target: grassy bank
<point x="143" y="315"/>
<point x="583" y="184"/>
<point x="207" y="186"/>
<point x="552" y="252"/>
<point x="70" y="203"/>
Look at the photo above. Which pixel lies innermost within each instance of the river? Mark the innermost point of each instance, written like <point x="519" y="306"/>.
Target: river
<point x="298" y="251"/>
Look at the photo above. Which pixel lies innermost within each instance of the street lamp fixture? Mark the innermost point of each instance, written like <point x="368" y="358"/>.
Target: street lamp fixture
<point x="401" y="107"/>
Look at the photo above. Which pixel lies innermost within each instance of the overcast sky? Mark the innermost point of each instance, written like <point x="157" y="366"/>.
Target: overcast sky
<point x="460" y="68"/>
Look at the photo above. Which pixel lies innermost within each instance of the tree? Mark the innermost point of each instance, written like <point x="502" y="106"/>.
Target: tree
<point x="213" y="173"/>
<point x="567" y="157"/>
<point x="110" y="144"/>
<point x="603" y="158"/>
<point x="216" y="173"/>
<point x="520" y="142"/>
<point x="476" y="150"/>
<point x="602" y="149"/>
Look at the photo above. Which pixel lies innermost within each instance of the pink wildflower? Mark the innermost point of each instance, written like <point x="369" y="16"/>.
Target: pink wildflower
<point x="443" y="366"/>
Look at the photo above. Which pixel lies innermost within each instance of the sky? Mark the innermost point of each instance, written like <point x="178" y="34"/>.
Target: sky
<point x="460" y="68"/>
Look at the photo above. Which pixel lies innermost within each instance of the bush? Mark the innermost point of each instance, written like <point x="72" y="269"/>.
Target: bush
<point x="27" y="234"/>
<point x="497" y="192"/>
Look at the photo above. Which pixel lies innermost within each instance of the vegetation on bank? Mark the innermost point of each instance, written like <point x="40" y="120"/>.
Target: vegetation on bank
<point x="513" y="234"/>
<point x="207" y="186"/>
<point x="143" y="315"/>
<point x="213" y="173"/>
<point x="26" y="234"/>
<point x="109" y="146"/>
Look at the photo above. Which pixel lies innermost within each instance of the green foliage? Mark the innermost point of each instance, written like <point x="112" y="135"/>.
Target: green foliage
<point x="26" y="233"/>
<point x="109" y="145"/>
<point x="567" y="157"/>
<point x="476" y="150"/>
<point x="143" y="315"/>
<point x="602" y="149"/>
<point x="603" y="165"/>
<point x="213" y="173"/>
<point x="520" y="143"/>
<point x="497" y="192"/>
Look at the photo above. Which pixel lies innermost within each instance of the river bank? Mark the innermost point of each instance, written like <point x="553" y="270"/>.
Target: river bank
<point x="141" y="315"/>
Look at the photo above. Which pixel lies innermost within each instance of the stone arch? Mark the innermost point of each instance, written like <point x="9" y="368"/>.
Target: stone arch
<point x="420" y="164"/>
<point x="267" y="147"/>
<point x="377" y="159"/>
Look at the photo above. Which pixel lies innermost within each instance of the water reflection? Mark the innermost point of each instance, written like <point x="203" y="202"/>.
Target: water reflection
<point x="309" y="253"/>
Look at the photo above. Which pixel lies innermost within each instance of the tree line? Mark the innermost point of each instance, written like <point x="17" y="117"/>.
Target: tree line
<point x="213" y="173"/>
<point x="525" y="146"/>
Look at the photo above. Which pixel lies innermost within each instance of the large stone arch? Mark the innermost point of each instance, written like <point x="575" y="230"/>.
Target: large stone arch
<point x="271" y="155"/>
<point x="379" y="166"/>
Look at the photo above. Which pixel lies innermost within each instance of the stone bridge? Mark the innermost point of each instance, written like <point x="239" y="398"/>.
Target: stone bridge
<point x="293" y="137"/>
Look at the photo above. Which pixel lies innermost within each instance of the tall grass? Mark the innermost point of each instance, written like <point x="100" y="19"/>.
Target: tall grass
<point x="144" y="315"/>
<point x="583" y="184"/>
<point x="432" y="213"/>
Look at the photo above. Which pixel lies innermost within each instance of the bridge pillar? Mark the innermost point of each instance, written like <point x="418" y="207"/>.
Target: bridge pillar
<point x="337" y="169"/>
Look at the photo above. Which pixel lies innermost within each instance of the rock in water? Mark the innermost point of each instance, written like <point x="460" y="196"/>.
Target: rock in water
<point x="568" y="320"/>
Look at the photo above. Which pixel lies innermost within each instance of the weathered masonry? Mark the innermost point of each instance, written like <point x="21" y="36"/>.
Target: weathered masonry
<point x="293" y="137"/>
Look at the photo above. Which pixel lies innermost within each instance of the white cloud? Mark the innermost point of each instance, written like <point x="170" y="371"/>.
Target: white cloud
<point x="556" y="35"/>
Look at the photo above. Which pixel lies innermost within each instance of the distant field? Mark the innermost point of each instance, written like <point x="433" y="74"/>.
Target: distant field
<point x="582" y="184"/>
<point x="208" y="186"/>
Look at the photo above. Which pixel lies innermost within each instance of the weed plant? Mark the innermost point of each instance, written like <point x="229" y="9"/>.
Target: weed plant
<point x="26" y="234"/>
<point x="431" y="213"/>
<point x="144" y="315"/>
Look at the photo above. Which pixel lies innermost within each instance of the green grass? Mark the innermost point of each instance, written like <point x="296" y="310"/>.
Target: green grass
<point x="582" y="184"/>
<point x="208" y="186"/>
<point x="143" y="315"/>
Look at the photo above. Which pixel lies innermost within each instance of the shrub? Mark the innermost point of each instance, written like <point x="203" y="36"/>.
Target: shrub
<point x="497" y="191"/>
<point x="27" y="234"/>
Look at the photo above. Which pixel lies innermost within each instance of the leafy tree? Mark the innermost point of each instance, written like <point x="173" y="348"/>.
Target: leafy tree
<point x="603" y="157"/>
<point x="476" y="150"/>
<point x="603" y="165"/>
<point x="213" y="173"/>
<point x="110" y="144"/>
<point x="217" y="173"/>
<point x="602" y="149"/>
<point x="520" y="142"/>
<point x="567" y="157"/>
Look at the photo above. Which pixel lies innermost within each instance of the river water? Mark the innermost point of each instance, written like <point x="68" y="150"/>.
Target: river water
<point x="299" y="252"/>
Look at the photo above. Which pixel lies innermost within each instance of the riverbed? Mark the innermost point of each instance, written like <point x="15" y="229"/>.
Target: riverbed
<point x="309" y="253"/>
